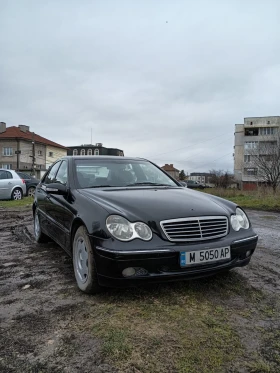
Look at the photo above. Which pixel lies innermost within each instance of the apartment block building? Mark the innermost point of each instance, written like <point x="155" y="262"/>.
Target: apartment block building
<point x="90" y="149"/>
<point x="23" y="150"/>
<point x="252" y="139"/>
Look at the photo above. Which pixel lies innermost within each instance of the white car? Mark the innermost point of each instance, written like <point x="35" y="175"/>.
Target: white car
<point x="11" y="185"/>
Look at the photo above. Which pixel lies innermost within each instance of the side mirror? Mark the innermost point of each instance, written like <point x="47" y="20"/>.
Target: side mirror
<point x="56" y="188"/>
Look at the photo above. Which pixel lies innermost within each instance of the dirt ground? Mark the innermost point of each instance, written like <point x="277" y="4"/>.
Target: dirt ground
<point x="44" y="317"/>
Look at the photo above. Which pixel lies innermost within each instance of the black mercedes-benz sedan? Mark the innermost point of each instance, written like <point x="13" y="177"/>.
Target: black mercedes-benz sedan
<point x="124" y="221"/>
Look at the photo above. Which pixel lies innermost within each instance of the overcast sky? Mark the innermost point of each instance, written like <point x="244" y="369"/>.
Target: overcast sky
<point x="165" y="80"/>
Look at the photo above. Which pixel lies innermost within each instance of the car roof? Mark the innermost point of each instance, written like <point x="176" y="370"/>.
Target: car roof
<point x="105" y="157"/>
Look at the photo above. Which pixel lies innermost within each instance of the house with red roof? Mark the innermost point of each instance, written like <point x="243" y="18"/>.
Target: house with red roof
<point x="171" y="170"/>
<point x="23" y="150"/>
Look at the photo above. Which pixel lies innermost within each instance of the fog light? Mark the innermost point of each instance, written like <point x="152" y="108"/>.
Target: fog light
<point x="128" y="272"/>
<point x="248" y="253"/>
<point x="141" y="271"/>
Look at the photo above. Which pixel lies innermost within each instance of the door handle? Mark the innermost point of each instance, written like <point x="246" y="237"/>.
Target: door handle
<point x="9" y="183"/>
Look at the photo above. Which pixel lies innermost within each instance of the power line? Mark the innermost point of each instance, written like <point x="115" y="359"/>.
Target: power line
<point x="203" y="164"/>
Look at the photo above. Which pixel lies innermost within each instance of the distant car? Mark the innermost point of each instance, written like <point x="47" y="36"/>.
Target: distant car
<point x="125" y="222"/>
<point x="11" y="185"/>
<point x="183" y="183"/>
<point x="194" y="185"/>
<point x="30" y="181"/>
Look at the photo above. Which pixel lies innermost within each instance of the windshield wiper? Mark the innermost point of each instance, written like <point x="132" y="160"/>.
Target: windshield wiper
<point x="150" y="183"/>
<point x="101" y="186"/>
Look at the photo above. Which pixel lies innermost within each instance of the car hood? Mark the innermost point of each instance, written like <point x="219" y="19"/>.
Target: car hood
<point x="156" y="204"/>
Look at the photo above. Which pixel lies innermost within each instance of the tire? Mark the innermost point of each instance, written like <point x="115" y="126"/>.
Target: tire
<point x="84" y="264"/>
<point x="31" y="191"/>
<point x="40" y="237"/>
<point x="16" y="194"/>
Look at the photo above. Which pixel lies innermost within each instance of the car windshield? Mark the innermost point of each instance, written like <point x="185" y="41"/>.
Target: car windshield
<point x="91" y="173"/>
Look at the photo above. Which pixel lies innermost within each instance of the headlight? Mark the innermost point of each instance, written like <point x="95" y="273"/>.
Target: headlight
<point x="123" y="230"/>
<point x="239" y="220"/>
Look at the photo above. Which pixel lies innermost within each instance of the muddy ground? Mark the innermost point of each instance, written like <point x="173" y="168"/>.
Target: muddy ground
<point x="42" y="311"/>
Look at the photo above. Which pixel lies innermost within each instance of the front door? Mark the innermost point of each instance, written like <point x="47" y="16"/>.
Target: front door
<point x="57" y="208"/>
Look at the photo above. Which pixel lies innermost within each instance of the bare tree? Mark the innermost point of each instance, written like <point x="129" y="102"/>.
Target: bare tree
<point x="265" y="160"/>
<point x="221" y="179"/>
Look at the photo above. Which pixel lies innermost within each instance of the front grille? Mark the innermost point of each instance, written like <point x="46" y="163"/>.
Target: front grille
<point x="195" y="228"/>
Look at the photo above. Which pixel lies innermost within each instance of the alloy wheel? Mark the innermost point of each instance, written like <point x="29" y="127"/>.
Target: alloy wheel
<point x="81" y="260"/>
<point x="17" y="195"/>
<point x="31" y="192"/>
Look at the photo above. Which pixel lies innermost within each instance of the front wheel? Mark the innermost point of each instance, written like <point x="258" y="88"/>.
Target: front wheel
<point x="17" y="194"/>
<point x="40" y="237"/>
<point x="83" y="262"/>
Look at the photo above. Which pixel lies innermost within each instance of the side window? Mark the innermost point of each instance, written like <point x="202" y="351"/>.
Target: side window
<point x="4" y="175"/>
<point x="9" y="175"/>
<point x="50" y="177"/>
<point x="61" y="176"/>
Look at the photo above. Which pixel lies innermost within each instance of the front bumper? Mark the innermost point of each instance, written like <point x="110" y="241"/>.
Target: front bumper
<point x="163" y="265"/>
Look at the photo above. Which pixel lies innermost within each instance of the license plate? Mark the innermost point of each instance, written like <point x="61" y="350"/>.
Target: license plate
<point x="189" y="258"/>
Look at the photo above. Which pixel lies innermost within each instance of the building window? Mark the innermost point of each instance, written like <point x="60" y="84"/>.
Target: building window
<point x="75" y="152"/>
<point x="251" y="123"/>
<point x="266" y="157"/>
<point x="51" y="154"/>
<point x="40" y="152"/>
<point x="83" y="152"/>
<point x="268" y="122"/>
<point x="247" y="158"/>
<point x="89" y="152"/>
<point x="7" y="166"/>
<point x="96" y="152"/>
<point x="251" y="145"/>
<point x="8" y="152"/>
<point x="267" y="131"/>
<point x="251" y="132"/>
<point x="251" y="171"/>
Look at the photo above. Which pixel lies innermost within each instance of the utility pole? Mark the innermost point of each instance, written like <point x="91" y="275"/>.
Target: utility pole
<point x="18" y="153"/>
<point x="33" y="153"/>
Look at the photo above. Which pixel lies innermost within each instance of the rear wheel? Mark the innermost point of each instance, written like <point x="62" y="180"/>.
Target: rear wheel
<point x="40" y="237"/>
<point x="83" y="262"/>
<point x="31" y="191"/>
<point x="17" y="194"/>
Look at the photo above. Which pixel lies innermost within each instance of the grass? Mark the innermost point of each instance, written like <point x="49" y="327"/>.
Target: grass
<point x="187" y="327"/>
<point x="26" y="201"/>
<point x="203" y="326"/>
<point x="262" y="199"/>
<point x="168" y="329"/>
